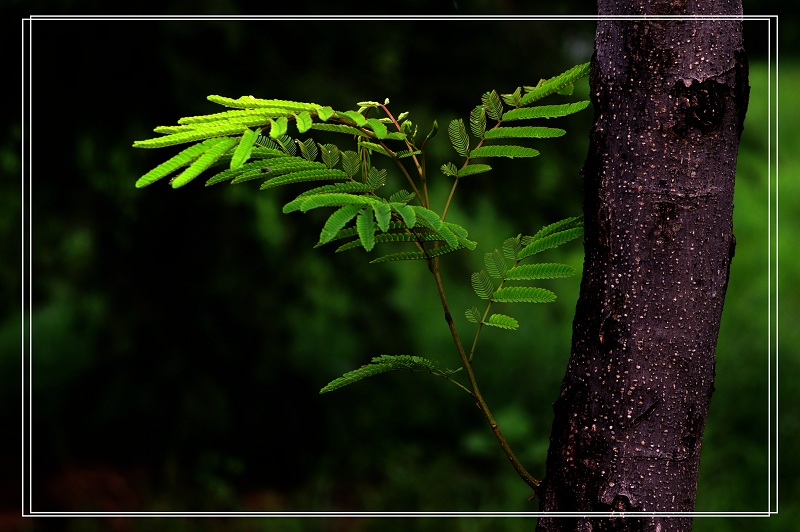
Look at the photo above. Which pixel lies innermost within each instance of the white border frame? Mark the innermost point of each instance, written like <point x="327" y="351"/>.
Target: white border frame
<point x="27" y="245"/>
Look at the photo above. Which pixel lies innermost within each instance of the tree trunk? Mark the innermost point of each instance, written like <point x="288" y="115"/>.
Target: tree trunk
<point x="670" y="98"/>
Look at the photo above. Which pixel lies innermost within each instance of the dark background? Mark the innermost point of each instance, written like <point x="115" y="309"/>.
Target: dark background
<point x="179" y="338"/>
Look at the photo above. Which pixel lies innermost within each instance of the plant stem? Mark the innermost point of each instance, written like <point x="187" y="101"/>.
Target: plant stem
<point x="433" y="265"/>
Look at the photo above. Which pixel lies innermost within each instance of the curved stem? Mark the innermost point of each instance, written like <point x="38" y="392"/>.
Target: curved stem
<point x="433" y="265"/>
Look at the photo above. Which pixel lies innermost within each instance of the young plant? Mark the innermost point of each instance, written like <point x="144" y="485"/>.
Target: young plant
<point x="251" y="141"/>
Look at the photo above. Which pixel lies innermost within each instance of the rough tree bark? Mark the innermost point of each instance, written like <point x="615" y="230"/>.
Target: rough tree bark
<point x="670" y="98"/>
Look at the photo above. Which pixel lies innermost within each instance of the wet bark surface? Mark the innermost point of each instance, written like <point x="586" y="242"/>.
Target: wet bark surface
<point x="669" y="99"/>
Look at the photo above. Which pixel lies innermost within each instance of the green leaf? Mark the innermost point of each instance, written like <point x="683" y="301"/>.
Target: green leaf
<point x="249" y="102"/>
<point x="384" y="238"/>
<point x="473" y="169"/>
<point x="530" y="132"/>
<point x="308" y="149"/>
<point x="512" y="247"/>
<point x="545" y="111"/>
<point x="329" y="174"/>
<point x="225" y="115"/>
<point x="495" y="264"/>
<point x="255" y="169"/>
<point x="337" y="221"/>
<point x="378" y="127"/>
<point x="523" y="294"/>
<point x="351" y="163"/>
<point x="401" y="196"/>
<point x="458" y="137"/>
<point x="355" y="117"/>
<point x="449" y="169"/>
<point x="417" y="255"/>
<point x="406" y="212"/>
<point x="473" y="315"/>
<point x="325" y="113"/>
<point x="339" y="128"/>
<point x="551" y="241"/>
<point x="477" y="121"/>
<point x="555" y="84"/>
<point x="244" y="149"/>
<point x="384" y="364"/>
<point x="279" y="166"/>
<point x="406" y="153"/>
<point x="502" y="321"/>
<point x="303" y="122"/>
<point x="344" y="188"/>
<point x="503" y="151"/>
<point x="513" y="98"/>
<point x="432" y="133"/>
<point x="561" y="225"/>
<point x="528" y="272"/>
<point x="202" y="163"/>
<point x="482" y="285"/>
<point x="278" y="127"/>
<point x="222" y="130"/>
<point x="334" y="200"/>
<point x="493" y="105"/>
<point x="461" y="234"/>
<point x="376" y="147"/>
<point x="376" y="178"/>
<point x="180" y="160"/>
<point x="383" y="215"/>
<point x="330" y="154"/>
<point x="365" y="223"/>
<point x="431" y="220"/>
<point x="284" y="143"/>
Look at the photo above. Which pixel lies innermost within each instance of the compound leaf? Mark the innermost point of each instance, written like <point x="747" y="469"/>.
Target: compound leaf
<point x="545" y="111"/>
<point x="378" y="127"/>
<point x="330" y="154"/>
<point x="482" y="285"/>
<point x="458" y="137"/>
<point x="495" y="264"/>
<point x="348" y="187"/>
<point x="330" y="174"/>
<point x="278" y="127"/>
<point x="477" y="121"/>
<point x="503" y="151"/>
<point x="244" y="149"/>
<point x="473" y="315"/>
<point x="337" y="221"/>
<point x="334" y="200"/>
<point x="222" y="130"/>
<point x="201" y="164"/>
<point x="502" y="321"/>
<point x="473" y="169"/>
<point x="523" y="294"/>
<point x="493" y="105"/>
<point x="550" y="241"/>
<point x="180" y="160"/>
<point x="528" y="272"/>
<point x="365" y="223"/>
<point x="384" y="364"/>
<point x="555" y="84"/>
<point x="383" y="215"/>
<point x="308" y="149"/>
<point x="528" y="132"/>
<point x="303" y="122"/>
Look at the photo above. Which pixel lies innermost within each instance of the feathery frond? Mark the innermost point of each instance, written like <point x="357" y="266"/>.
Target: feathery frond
<point x="503" y="151"/>
<point x="386" y="363"/>
<point x="545" y="111"/>
<point x="523" y="294"/>
<point x="502" y="321"/>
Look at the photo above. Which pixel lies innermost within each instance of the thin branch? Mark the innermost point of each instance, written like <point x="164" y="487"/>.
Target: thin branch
<point x="433" y="265"/>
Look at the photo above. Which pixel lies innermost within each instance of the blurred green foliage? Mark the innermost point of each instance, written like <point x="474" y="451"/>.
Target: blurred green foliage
<point x="180" y="337"/>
